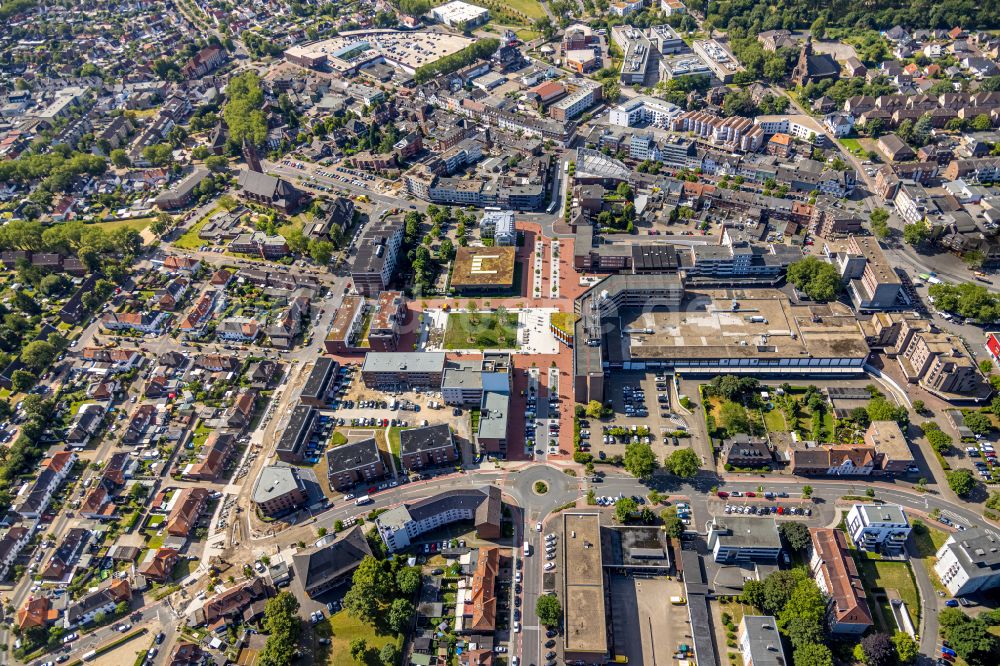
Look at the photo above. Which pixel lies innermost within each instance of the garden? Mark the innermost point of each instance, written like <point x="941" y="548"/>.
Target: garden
<point x="481" y="330"/>
<point x="880" y="576"/>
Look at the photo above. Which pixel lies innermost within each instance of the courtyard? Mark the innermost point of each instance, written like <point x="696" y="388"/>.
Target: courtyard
<point x="481" y="330"/>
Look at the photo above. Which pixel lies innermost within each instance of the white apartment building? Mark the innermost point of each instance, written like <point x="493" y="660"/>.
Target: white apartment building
<point x="969" y="561"/>
<point x="878" y="527"/>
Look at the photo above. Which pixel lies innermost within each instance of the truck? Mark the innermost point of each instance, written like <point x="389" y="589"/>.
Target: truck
<point x="527" y="549"/>
<point x="678" y="601"/>
<point x="87" y="656"/>
<point x="364" y="499"/>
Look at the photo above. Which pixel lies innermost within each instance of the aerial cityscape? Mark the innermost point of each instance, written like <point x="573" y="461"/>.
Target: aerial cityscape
<point x="479" y="333"/>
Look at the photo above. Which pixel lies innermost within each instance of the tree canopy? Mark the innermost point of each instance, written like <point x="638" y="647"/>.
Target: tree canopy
<point x="281" y="620"/>
<point x="818" y="279"/>
<point x="243" y="110"/>
<point x="640" y="461"/>
<point x="549" y="610"/>
<point x="684" y="463"/>
<point x="482" y="48"/>
<point x="968" y="300"/>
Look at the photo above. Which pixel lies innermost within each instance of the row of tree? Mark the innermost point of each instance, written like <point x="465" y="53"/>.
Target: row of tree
<point x="481" y="49"/>
<point x="860" y="14"/>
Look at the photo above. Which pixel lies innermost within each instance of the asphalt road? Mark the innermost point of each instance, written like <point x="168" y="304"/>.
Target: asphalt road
<point x="518" y="487"/>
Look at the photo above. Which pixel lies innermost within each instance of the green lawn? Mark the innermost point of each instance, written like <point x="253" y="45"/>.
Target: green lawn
<point x="486" y="332"/>
<point x="927" y="539"/>
<point x="137" y="223"/>
<point x="190" y="239"/>
<point x="341" y="629"/>
<point x="530" y="8"/>
<point x="852" y="145"/>
<point x="774" y="421"/>
<point x="881" y="575"/>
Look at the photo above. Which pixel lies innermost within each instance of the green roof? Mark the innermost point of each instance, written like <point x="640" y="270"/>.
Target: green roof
<point x="564" y="321"/>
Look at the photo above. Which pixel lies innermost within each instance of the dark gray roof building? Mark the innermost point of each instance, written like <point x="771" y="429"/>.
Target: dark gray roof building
<point x="353" y="456"/>
<point x="321" y="569"/>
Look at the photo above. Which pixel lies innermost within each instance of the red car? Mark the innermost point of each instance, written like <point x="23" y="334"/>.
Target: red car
<point x="722" y="494"/>
<point x="751" y="494"/>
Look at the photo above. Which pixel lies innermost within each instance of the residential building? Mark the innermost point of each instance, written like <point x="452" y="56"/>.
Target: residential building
<point x="316" y="391"/>
<point x="347" y="326"/>
<point x="871" y="281"/>
<point x="836" y="574"/>
<point x="213" y="458"/>
<point x="242" y="603"/>
<point x="427" y="447"/>
<point x="353" y="463"/>
<point x="742" y="450"/>
<point x="63" y="560"/>
<point x="759" y="641"/>
<point x="279" y="490"/>
<point x="375" y="261"/>
<point x="292" y="444"/>
<point x="938" y="363"/>
<point x="11" y="544"/>
<point x="878" y="527"/>
<point x="188" y="504"/>
<point x="402" y="524"/>
<point x="321" y="569"/>
<point x="969" y="562"/>
<point x="36" y="612"/>
<point x="159" y="564"/>
<point x="387" y="321"/>
<point x="476" y="611"/>
<point x="892" y="451"/>
<point x="104" y="600"/>
<point x="398" y="369"/>
<point x="33" y="499"/>
<point x="144" y="322"/>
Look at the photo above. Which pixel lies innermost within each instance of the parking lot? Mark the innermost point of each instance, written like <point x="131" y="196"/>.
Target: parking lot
<point x="760" y="504"/>
<point x="984" y="460"/>
<point x="640" y="400"/>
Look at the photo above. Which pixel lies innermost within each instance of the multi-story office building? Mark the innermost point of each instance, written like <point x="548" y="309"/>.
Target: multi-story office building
<point x="744" y="539"/>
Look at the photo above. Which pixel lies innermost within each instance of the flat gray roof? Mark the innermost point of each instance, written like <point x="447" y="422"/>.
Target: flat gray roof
<point x="493" y="415"/>
<point x="978" y="547"/>
<point x="462" y="378"/>
<point x="764" y="641"/>
<point x="403" y="362"/>
<point x="882" y="513"/>
<point x="275" y="481"/>
<point x="750" y="532"/>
